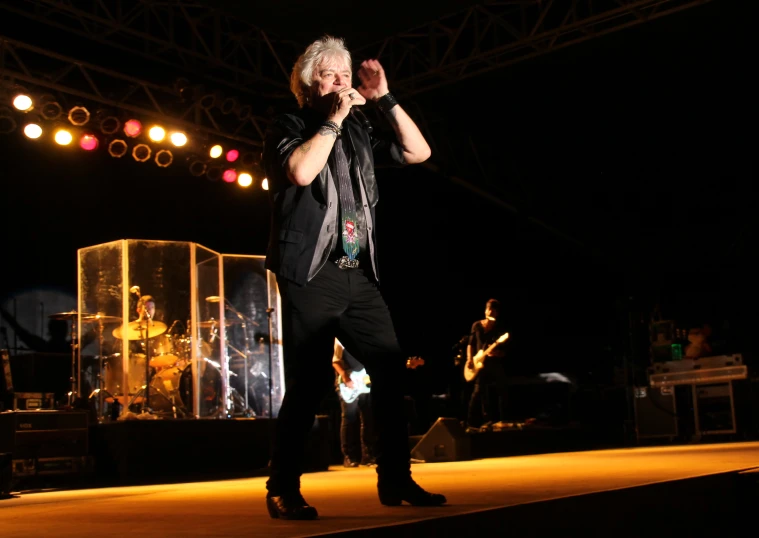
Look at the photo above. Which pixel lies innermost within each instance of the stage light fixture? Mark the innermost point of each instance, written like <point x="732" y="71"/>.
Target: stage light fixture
<point x="230" y="175"/>
<point x="32" y="130"/>
<point x="157" y="133"/>
<point x="244" y="112"/>
<point x="229" y="105"/>
<point x="247" y="159"/>
<point x="265" y="184"/>
<point x="141" y="153"/>
<point x="89" y="142"/>
<point x="198" y="168"/>
<point x="23" y="102"/>
<point x="117" y="148"/>
<point x="7" y="123"/>
<point x="214" y="173"/>
<point x="164" y="158"/>
<point x="132" y="128"/>
<point x="109" y="125"/>
<point x="232" y="155"/>
<point x="216" y="151"/>
<point x="178" y="139"/>
<point x="51" y="110"/>
<point x="79" y="116"/>
<point x="208" y="101"/>
<point x="63" y="137"/>
<point x="245" y="179"/>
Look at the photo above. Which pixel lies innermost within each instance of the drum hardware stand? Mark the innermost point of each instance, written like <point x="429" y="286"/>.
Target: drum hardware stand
<point x="74" y="393"/>
<point x="271" y="344"/>
<point x="145" y="390"/>
<point x="100" y="391"/>
<point x="247" y="411"/>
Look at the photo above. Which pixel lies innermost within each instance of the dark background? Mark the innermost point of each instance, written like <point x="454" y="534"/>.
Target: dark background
<point x="627" y="162"/>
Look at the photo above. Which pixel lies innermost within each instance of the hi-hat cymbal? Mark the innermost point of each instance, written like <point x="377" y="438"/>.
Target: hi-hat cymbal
<point x="71" y="314"/>
<point x="102" y="318"/>
<point x="214" y="323"/>
<point x="136" y="330"/>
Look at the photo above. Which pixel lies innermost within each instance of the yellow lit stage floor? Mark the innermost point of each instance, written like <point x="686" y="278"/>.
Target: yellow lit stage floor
<point x="572" y="493"/>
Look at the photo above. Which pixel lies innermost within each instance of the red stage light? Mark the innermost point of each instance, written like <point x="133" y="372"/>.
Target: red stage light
<point x="230" y="176"/>
<point x="88" y="142"/>
<point x="232" y="155"/>
<point x="132" y="128"/>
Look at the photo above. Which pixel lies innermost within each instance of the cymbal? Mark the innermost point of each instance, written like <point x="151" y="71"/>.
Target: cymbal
<point x="71" y="314"/>
<point x="213" y="323"/>
<point x="94" y="318"/>
<point x="136" y="330"/>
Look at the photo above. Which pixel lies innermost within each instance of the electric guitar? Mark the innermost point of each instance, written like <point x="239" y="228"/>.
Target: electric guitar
<point x="478" y="361"/>
<point x="362" y="384"/>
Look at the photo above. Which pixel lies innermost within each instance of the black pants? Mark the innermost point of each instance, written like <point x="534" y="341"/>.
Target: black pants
<point x="488" y="400"/>
<point x="356" y="429"/>
<point x="348" y="305"/>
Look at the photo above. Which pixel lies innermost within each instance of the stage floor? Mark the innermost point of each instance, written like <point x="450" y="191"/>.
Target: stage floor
<point x="347" y="500"/>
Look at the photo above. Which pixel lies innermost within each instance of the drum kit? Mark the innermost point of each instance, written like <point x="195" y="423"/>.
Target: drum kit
<point x="160" y="378"/>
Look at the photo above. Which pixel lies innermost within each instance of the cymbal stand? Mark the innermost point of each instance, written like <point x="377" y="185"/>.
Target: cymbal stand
<point x="74" y="392"/>
<point x="146" y="396"/>
<point x="146" y="389"/>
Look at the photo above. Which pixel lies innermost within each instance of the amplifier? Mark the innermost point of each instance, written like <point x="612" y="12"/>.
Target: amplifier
<point x="45" y="442"/>
<point x="25" y="401"/>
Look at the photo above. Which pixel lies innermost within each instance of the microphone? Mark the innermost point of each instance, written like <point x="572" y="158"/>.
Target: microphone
<point x="213" y="299"/>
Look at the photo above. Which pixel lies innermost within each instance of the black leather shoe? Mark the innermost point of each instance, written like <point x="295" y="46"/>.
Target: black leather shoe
<point x="347" y="462"/>
<point x="290" y="506"/>
<point x="393" y="494"/>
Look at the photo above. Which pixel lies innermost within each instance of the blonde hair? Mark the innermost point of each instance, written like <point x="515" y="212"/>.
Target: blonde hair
<point x="302" y="77"/>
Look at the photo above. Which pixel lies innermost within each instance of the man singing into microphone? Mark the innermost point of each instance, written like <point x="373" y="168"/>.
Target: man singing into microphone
<point x="320" y="164"/>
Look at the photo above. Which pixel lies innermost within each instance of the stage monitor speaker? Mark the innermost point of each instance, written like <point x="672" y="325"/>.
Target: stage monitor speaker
<point x="655" y="412"/>
<point x="446" y="440"/>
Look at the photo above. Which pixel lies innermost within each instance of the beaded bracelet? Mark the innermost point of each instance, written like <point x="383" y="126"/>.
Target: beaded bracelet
<point x="332" y="126"/>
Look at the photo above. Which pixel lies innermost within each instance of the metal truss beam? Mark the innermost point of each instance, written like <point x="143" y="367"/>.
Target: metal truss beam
<point x="184" y="34"/>
<point x="28" y="65"/>
<point x="496" y="34"/>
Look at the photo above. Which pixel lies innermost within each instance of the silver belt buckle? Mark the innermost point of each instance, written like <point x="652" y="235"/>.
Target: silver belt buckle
<point x="346" y="263"/>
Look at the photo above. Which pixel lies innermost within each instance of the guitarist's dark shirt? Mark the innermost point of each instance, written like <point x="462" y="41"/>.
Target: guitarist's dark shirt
<point x="479" y="339"/>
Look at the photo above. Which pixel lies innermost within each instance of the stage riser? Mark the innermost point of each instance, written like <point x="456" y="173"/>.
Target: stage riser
<point x="156" y="451"/>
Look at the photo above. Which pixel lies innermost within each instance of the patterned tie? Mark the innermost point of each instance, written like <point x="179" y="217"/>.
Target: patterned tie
<point x="347" y="202"/>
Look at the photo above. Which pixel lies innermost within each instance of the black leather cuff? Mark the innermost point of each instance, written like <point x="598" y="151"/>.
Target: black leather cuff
<point x="386" y="102"/>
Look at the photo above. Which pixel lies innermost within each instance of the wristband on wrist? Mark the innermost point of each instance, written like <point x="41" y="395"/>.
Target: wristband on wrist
<point x="386" y="102"/>
<point x="332" y="126"/>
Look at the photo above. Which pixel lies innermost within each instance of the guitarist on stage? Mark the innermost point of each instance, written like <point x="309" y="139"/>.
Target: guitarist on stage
<point x="356" y="434"/>
<point x="488" y="399"/>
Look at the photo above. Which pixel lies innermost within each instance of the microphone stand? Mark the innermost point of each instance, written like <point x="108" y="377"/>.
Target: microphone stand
<point x="146" y="396"/>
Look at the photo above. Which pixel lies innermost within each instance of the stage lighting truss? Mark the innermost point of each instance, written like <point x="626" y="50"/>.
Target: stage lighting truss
<point x="141" y="153"/>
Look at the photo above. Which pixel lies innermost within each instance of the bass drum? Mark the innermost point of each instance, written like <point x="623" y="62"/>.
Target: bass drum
<point x="210" y="384"/>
